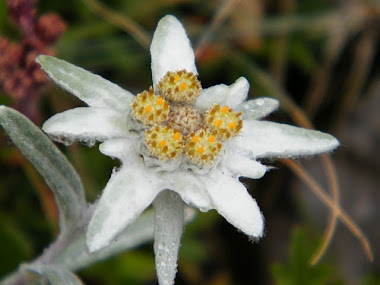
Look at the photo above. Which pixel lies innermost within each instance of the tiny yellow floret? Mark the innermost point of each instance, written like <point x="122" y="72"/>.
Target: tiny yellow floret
<point x="195" y="138"/>
<point x="211" y="139"/>
<point x="162" y="143"/>
<point x="232" y="125"/>
<point x="183" y="86"/>
<point x="160" y="101"/>
<point x="148" y="109"/>
<point x="218" y="123"/>
<point x="225" y="109"/>
<point x="177" y="136"/>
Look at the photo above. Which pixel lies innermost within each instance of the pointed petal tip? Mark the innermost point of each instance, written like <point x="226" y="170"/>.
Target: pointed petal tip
<point x="330" y="143"/>
<point x="268" y="139"/>
<point x="232" y="201"/>
<point x="259" y="233"/>
<point x="243" y="166"/>
<point x="169" y="18"/>
<point x="238" y="92"/>
<point x="39" y="58"/>
<point x="255" y="231"/>
<point x="3" y="108"/>
<point x="94" y="243"/>
<point x="42" y="58"/>
<point x="170" y="49"/>
<point x="256" y="238"/>
<point x="169" y="22"/>
<point x="334" y="144"/>
<point x="46" y="126"/>
<point x="335" y="141"/>
<point x="242" y="81"/>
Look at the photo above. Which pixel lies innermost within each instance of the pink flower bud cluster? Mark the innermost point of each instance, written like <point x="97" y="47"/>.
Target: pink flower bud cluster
<point x="20" y="76"/>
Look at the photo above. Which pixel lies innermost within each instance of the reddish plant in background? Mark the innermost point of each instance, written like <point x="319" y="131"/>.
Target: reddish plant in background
<point x="20" y="77"/>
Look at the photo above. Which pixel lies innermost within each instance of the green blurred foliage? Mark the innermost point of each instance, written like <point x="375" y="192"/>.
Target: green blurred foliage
<point x="136" y="267"/>
<point x="371" y="280"/>
<point x="298" y="271"/>
<point x="14" y="244"/>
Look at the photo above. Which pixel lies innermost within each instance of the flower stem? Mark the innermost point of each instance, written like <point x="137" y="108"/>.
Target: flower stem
<point x="168" y="228"/>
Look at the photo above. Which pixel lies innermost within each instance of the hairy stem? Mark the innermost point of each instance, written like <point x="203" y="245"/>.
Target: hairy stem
<point x="168" y="228"/>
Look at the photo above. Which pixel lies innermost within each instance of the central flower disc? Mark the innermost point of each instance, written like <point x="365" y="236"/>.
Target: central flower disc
<point x="185" y="118"/>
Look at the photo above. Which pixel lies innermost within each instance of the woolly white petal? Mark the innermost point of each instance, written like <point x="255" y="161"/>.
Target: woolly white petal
<point x="258" y="108"/>
<point x="124" y="149"/>
<point x="212" y="95"/>
<point x="222" y="94"/>
<point x="238" y="93"/>
<point x="241" y="165"/>
<point x="268" y="139"/>
<point x="87" y="124"/>
<point x="191" y="189"/>
<point x="233" y="202"/>
<point x="170" y="49"/>
<point x="188" y="185"/>
<point x="126" y="195"/>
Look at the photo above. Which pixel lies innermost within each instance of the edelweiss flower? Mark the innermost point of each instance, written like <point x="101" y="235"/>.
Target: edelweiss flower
<point x="175" y="136"/>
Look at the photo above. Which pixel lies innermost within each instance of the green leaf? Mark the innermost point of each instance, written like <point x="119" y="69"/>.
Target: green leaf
<point x="58" y="173"/>
<point x="90" y="88"/>
<point x="55" y="275"/>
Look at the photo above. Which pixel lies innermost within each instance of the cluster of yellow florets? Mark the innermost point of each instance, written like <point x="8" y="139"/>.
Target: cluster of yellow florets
<point x="224" y="121"/>
<point x="165" y="143"/>
<point x="180" y="128"/>
<point x="180" y="86"/>
<point x="150" y="108"/>
<point x="202" y="147"/>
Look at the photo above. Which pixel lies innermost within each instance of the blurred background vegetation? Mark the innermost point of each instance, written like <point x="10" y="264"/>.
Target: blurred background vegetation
<point x="319" y="58"/>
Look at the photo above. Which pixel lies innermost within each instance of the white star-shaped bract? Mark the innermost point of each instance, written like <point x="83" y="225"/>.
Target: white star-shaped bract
<point x="134" y="186"/>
